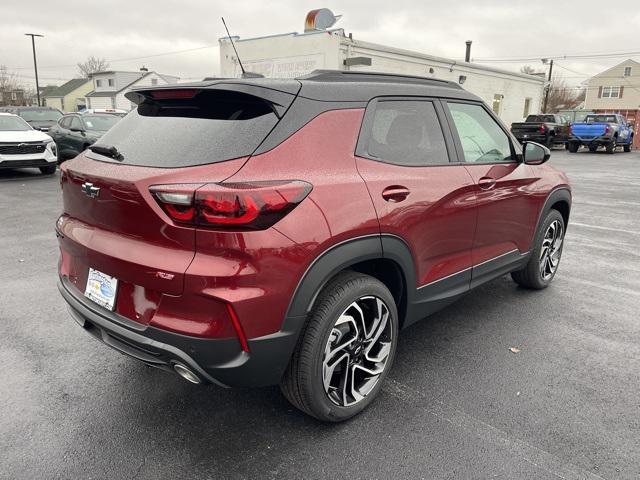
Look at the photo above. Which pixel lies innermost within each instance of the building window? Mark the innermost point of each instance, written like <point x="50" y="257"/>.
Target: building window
<point x="610" y="92"/>
<point x="98" y="83"/>
<point x="112" y="82"/>
<point x="14" y="96"/>
<point x="527" y="107"/>
<point x="497" y="101"/>
<point x="154" y="81"/>
<point x="627" y="71"/>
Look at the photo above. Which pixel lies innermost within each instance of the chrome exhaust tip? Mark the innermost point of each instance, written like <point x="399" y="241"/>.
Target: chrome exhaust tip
<point x="185" y="373"/>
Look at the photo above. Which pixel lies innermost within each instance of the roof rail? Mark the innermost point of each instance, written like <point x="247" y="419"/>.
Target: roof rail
<point x="351" y="76"/>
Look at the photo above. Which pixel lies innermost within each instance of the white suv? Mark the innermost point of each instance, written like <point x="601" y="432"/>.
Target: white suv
<point x="22" y="146"/>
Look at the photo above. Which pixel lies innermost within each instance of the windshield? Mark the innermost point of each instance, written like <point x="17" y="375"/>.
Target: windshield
<point x="101" y="123"/>
<point x="13" y="124"/>
<point x="44" y="115"/>
<point x="600" y="119"/>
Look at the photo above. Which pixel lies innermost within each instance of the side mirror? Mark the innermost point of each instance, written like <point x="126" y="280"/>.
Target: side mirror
<point x="75" y="129"/>
<point x="535" y="154"/>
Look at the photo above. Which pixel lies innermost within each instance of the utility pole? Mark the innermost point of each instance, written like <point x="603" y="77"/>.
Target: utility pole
<point x="546" y="95"/>
<point x="35" y="62"/>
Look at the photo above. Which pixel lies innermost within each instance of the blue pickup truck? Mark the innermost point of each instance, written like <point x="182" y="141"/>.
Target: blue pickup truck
<point x="607" y="130"/>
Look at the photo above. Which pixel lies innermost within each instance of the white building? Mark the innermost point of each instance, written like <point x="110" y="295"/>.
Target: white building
<point x="109" y="87"/>
<point x="512" y="95"/>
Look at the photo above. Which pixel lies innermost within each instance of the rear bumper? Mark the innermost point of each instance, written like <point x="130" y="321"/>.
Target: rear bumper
<point x="219" y="361"/>
<point x="601" y="140"/>
<point x="531" y="137"/>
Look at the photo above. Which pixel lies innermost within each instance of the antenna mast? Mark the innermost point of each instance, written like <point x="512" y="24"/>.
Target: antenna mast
<point x="234" y="47"/>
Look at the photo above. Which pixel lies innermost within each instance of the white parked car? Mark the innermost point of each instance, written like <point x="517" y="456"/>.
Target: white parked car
<point x="23" y="146"/>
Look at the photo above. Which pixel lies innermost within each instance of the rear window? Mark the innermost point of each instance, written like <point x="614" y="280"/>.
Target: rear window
<point x="601" y="119"/>
<point x="541" y="118"/>
<point x="212" y="127"/>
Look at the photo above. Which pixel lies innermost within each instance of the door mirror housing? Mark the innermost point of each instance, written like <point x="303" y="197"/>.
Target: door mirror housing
<point x="76" y="129"/>
<point x="535" y="154"/>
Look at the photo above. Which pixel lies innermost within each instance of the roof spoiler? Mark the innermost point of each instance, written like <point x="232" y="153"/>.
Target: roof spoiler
<point x="279" y="100"/>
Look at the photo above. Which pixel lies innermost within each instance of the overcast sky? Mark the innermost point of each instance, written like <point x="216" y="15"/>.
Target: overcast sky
<point x="118" y="30"/>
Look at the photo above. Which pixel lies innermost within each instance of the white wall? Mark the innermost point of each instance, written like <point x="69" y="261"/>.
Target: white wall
<point x="281" y="56"/>
<point x="99" y="102"/>
<point x="292" y="55"/>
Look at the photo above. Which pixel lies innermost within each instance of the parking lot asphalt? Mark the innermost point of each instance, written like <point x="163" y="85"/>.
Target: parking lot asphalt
<point x="458" y="403"/>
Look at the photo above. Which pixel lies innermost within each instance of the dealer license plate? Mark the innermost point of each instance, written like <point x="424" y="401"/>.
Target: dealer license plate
<point x="101" y="288"/>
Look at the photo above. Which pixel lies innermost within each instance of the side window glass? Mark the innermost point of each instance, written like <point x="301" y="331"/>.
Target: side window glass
<point x="482" y="139"/>
<point x="75" y="123"/>
<point x="406" y="133"/>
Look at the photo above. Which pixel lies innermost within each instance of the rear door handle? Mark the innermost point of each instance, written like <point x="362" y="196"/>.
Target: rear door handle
<point x="395" y="193"/>
<point x="487" y="183"/>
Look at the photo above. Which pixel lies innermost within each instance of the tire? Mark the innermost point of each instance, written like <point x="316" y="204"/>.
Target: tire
<point x="593" y="148"/>
<point x="48" y="170"/>
<point x="611" y="146"/>
<point x="573" y="147"/>
<point x="304" y="382"/>
<point x="550" y="141"/>
<point x="532" y="275"/>
<point x="627" y="147"/>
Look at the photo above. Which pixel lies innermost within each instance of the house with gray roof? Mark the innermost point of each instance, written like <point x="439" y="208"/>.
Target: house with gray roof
<point x="69" y="97"/>
<point x="109" y="87"/>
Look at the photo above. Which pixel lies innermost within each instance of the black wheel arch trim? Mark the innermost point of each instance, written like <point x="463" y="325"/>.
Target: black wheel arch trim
<point x="560" y="194"/>
<point x="341" y="256"/>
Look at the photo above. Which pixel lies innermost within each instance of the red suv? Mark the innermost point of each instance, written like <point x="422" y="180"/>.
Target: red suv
<point x="251" y="232"/>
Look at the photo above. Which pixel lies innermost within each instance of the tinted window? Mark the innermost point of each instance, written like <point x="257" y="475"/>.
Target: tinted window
<point x="405" y="133"/>
<point x="482" y="139"/>
<point x="42" y="115"/>
<point x="65" y="122"/>
<point x="601" y="119"/>
<point x="76" y="123"/>
<point x="213" y="126"/>
<point x="100" y="123"/>
<point x="541" y="118"/>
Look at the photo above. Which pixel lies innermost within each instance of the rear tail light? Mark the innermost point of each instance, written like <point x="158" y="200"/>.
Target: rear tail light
<point x="171" y="94"/>
<point x="543" y="128"/>
<point x="233" y="206"/>
<point x="606" y="129"/>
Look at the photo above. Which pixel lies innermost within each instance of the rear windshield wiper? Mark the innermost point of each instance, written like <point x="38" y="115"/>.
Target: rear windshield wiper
<point x="107" y="151"/>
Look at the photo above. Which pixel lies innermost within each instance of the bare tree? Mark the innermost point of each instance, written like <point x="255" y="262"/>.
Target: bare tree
<point x="92" y="65"/>
<point x="562" y="96"/>
<point x="8" y="81"/>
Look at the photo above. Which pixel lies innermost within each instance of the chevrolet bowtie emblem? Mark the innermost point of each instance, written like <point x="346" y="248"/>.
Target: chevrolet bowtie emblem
<point x="89" y="190"/>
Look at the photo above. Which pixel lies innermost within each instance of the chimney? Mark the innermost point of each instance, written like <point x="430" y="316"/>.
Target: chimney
<point x="144" y="69"/>
<point x="467" y="55"/>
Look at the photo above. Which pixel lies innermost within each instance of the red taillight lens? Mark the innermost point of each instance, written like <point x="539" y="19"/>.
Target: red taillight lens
<point x="543" y="128"/>
<point x="236" y="206"/>
<point x="606" y="129"/>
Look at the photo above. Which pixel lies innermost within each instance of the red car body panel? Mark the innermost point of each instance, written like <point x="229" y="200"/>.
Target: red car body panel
<point x="437" y="219"/>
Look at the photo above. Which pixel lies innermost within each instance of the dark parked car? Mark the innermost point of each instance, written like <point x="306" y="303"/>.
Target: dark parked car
<point x="548" y="129"/>
<point x="40" y="118"/>
<point x="75" y="132"/>
<point x="255" y="232"/>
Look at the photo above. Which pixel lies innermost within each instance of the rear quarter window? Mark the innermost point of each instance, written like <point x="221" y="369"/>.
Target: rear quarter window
<point x="403" y="133"/>
<point x="214" y="126"/>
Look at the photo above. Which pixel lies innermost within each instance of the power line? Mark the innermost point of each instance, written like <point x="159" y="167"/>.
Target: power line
<point x="583" y="56"/>
<point x="125" y="59"/>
